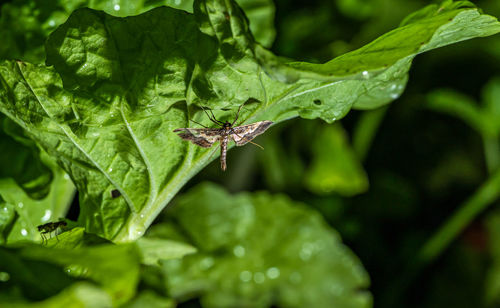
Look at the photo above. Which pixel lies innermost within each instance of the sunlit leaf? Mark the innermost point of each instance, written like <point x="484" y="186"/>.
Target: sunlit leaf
<point x="154" y="250"/>
<point x="26" y="24"/>
<point x="119" y="86"/>
<point x="115" y="268"/>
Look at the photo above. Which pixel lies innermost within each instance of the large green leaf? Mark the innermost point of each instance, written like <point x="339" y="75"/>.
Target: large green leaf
<point x="119" y="86"/>
<point x="39" y="201"/>
<point x="257" y="250"/>
<point x="33" y="189"/>
<point x="26" y="24"/>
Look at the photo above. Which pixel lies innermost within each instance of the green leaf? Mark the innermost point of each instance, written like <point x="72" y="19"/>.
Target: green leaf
<point x="77" y="295"/>
<point x="335" y="167"/>
<point x="115" y="268"/>
<point x="8" y="217"/>
<point x="155" y="249"/>
<point x="26" y="24"/>
<point x="119" y="86"/>
<point x="257" y="250"/>
<point x="151" y="300"/>
<point x="20" y="161"/>
<point x="31" y="212"/>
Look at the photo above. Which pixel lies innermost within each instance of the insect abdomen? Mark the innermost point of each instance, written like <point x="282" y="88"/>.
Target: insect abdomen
<point x="223" y="152"/>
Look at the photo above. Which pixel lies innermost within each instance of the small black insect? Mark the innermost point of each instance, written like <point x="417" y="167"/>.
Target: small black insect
<point x="115" y="193"/>
<point x="49" y="228"/>
<point x="206" y="137"/>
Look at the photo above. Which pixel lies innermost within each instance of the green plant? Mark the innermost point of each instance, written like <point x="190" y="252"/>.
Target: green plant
<point x="103" y="107"/>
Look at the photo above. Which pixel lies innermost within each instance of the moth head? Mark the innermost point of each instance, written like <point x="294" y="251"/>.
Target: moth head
<point x="226" y="125"/>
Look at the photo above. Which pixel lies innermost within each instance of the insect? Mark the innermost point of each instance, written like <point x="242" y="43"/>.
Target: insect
<point x="115" y="193"/>
<point x="49" y="228"/>
<point x="206" y="137"/>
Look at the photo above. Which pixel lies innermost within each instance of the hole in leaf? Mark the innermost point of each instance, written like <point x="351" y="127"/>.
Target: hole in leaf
<point x="317" y="102"/>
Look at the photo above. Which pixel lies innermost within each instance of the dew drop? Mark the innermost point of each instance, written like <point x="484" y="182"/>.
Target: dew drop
<point x="306" y="251"/>
<point x="239" y="251"/>
<point x="52" y="23"/>
<point x="5" y="209"/>
<point x="4" y="276"/>
<point x="273" y="272"/>
<point x="142" y="215"/>
<point x="206" y="263"/>
<point x="394" y="95"/>
<point x="245" y="276"/>
<point x="47" y="215"/>
<point x="365" y="74"/>
<point x="259" y="277"/>
<point x="117" y="7"/>
<point x="66" y="176"/>
<point x="24" y="232"/>
<point x="20" y="205"/>
<point x="177" y="2"/>
<point x="110" y="169"/>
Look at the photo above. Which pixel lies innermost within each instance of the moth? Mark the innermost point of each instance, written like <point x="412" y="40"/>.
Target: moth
<point x="206" y="137"/>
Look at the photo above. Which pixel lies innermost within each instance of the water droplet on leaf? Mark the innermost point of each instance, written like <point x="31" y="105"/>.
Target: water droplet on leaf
<point x="47" y="215"/>
<point x="239" y="251"/>
<point x="245" y="276"/>
<point x="259" y="277"/>
<point x="273" y="272"/>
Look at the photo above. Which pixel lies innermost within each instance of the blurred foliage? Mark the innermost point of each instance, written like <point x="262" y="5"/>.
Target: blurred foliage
<point x="251" y="257"/>
<point x="424" y="164"/>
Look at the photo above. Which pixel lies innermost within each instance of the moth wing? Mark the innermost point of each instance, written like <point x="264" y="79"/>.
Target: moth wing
<point x="245" y="133"/>
<point x="203" y="137"/>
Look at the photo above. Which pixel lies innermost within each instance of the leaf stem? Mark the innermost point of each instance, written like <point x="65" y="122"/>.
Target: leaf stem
<point x="365" y="131"/>
<point x="491" y="152"/>
<point x="486" y="195"/>
<point x="478" y="202"/>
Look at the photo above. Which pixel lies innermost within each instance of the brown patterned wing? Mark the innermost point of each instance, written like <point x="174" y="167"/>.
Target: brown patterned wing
<point x="245" y="133"/>
<point x="203" y="137"/>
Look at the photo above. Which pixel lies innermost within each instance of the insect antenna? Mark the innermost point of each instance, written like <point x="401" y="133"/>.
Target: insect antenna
<point x="256" y="144"/>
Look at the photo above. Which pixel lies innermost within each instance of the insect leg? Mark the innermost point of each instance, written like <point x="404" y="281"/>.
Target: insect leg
<point x="43" y="238"/>
<point x="237" y="114"/>
<point x="211" y="119"/>
<point x="198" y="123"/>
